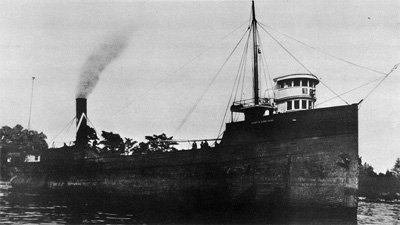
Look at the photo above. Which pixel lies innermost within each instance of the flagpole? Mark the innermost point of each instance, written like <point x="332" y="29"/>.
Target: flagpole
<point x="30" y="108"/>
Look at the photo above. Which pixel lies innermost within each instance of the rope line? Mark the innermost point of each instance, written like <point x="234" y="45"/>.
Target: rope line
<point x="68" y="124"/>
<point x="337" y="95"/>
<point x="346" y="61"/>
<point x="208" y="87"/>
<point x="350" y="90"/>
<point x="242" y="75"/>
<point x="92" y="125"/>
<point x="237" y="81"/>
<point x="66" y="132"/>
<point x="242" y="67"/>
<point x="301" y="63"/>
<point x="171" y="74"/>
<point x="265" y="64"/>
<point x="384" y="78"/>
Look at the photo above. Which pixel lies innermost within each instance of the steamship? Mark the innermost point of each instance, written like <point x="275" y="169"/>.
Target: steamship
<point x="285" y="153"/>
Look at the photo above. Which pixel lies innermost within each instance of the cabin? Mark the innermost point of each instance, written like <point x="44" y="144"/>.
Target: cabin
<point x="295" y="92"/>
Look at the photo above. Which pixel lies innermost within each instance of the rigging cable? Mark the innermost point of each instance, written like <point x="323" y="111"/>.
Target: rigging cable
<point x="346" y="61"/>
<point x="91" y="124"/>
<point x="66" y="132"/>
<point x="30" y="108"/>
<point x="237" y="81"/>
<point x="173" y="73"/>
<point x="384" y="78"/>
<point x="302" y="64"/>
<point x="68" y="124"/>
<point x="208" y="87"/>
<point x="242" y="68"/>
<point x="264" y="63"/>
<point x="351" y="90"/>
<point x="242" y="74"/>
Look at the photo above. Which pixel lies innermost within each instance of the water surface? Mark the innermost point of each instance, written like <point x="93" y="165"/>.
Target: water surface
<point x="30" y="208"/>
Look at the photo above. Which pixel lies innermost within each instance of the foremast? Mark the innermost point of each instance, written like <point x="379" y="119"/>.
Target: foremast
<point x="254" y="109"/>
<point x="255" y="56"/>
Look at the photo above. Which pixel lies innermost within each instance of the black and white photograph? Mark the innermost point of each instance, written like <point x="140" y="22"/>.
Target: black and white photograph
<point x="199" y="112"/>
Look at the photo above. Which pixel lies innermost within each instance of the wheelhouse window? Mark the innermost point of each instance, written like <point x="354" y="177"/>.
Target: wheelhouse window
<point x="289" y="83"/>
<point x="281" y="84"/>
<point x="310" y="83"/>
<point x="304" y="104"/>
<point x="304" y="91"/>
<point x="296" y="82"/>
<point x="304" y="82"/>
<point x="312" y="92"/>
<point x="289" y="105"/>
<point x="296" y="104"/>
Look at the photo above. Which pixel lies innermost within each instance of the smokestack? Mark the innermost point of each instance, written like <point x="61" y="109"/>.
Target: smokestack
<point x="81" y="121"/>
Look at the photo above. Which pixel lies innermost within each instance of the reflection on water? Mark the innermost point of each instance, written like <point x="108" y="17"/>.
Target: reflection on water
<point x="23" y="208"/>
<point x="378" y="213"/>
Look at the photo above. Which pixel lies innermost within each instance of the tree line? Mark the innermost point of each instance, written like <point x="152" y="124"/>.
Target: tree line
<point x="113" y="144"/>
<point x="16" y="143"/>
<point x="22" y="142"/>
<point x="375" y="186"/>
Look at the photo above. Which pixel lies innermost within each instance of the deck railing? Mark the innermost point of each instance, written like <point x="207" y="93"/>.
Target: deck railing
<point x="250" y="102"/>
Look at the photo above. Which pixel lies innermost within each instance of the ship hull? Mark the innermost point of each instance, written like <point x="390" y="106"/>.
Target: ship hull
<point x="298" y="161"/>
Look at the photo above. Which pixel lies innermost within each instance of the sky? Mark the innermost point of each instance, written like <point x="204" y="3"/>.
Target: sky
<point x="170" y="57"/>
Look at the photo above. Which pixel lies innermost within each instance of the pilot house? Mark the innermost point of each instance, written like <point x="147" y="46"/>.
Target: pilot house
<point x="295" y="92"/>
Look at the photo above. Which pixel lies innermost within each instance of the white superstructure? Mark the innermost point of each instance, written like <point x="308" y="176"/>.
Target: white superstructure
<point x="295" y="92"/>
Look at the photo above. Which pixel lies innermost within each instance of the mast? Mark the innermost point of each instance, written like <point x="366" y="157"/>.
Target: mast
<point x="30" y="108"/>
<point x="253" y="112"/>
<point x="255" y="54"/>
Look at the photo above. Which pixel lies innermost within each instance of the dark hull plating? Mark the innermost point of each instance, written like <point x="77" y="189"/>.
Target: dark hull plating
<point x="291" y="160"/>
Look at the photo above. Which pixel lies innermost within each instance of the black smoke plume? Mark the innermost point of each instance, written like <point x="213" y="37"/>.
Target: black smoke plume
<point x="99" y="60"/>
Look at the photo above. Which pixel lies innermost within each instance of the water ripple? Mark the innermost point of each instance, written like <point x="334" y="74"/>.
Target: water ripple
<point x="19" y="208"/>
